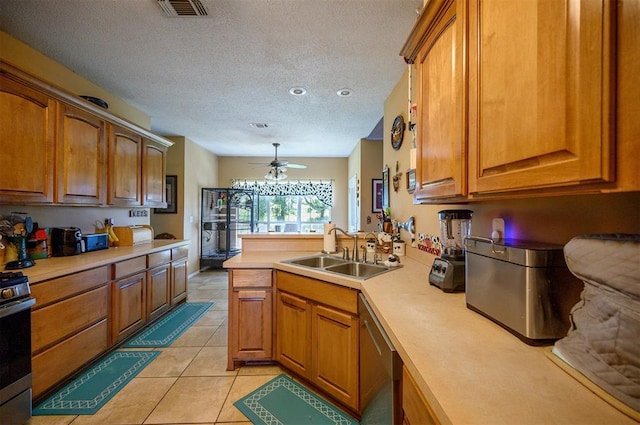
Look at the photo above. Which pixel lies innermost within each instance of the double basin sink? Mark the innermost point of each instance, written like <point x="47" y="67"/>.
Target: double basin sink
<point x="340" y="266"/>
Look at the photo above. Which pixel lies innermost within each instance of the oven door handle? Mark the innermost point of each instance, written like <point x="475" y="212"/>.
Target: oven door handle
<point x="16" y="307"/>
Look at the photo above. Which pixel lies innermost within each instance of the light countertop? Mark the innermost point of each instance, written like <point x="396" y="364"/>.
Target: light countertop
<point x="471" y="370"/>
<point x="54" y="267"/>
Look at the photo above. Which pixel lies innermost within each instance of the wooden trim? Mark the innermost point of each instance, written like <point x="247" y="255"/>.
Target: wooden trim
<point x="62" y="95"/>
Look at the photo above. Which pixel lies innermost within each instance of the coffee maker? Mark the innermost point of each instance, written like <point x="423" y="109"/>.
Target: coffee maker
<point x="447" y="272"/>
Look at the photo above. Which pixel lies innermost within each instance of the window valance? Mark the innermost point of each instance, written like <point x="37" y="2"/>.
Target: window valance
<point x="322" y="190"/>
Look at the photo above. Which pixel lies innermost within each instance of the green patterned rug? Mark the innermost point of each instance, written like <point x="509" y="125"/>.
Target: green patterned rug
<point x="169" y="328"/>
<point x="283" y="401"/>
<point x="89" y="392"/>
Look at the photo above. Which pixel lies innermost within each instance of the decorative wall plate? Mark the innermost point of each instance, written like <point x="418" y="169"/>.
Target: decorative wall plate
<point x="397" y="132"/>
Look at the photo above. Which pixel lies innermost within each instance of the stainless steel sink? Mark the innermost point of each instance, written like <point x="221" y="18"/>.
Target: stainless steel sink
<point x="340" y="266"/>
<point x="318" y="261"/>
<point x="358" y="270"/>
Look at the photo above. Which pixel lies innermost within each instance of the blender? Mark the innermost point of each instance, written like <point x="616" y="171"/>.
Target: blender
<point x="447" y="272"/>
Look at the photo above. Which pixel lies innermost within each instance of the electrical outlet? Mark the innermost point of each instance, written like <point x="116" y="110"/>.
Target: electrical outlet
<point x="139" y="213"/>
<point x="497" y="228"/>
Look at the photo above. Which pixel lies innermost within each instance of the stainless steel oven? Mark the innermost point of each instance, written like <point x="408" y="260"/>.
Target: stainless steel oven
<point x="15" y="348"/>
<point x="380" y="371"/>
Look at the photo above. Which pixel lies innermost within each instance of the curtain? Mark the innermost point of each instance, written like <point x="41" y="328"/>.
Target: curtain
<point x="322" y="190"/>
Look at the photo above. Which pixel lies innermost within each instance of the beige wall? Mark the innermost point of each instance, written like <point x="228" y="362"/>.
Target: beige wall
<point x="365" y="162"/>
<point x="196" y="168"/>
<point x="35" y="63"/>
<point x="550" y="219"/>
<point x="238" y="167"/>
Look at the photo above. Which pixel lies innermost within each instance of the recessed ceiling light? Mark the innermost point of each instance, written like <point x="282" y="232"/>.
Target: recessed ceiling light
<point x="297" y="91"/>
<point x="344" y="92"/>
<point x="258" y="125"/>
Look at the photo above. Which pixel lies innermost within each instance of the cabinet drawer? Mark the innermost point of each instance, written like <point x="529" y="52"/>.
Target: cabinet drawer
<point x="179" y="252"/>
<point x="59" y="320"/>
<point x="158" y="258"/>
<point x="56" y="363"/>
<point x="64" y="287"/>
<point x="323" y="292"/>
<point x="251" y="278"/>
<point x="128" y="267"/>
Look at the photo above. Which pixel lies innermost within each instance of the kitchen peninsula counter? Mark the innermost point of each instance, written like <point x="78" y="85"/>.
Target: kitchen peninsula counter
<point x="470" y="370"/>
<point x="54" y="267"/>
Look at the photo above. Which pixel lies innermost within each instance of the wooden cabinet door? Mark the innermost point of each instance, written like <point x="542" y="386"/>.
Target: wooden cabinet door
<point x="441" y="148"/>
<point x="541" y="94"/>
<point x="415" y="407"/>
<point x="250" y="315"/>
<point x="27" y="125"/>
<point x="81" y="157"/>
<point x="335" y="353"/>
<point x="158" y="291"/>
<point x="129" y="305"/>
<point x="179" y="279"/>
<point x="293" y="335"/>
<point x="250" y="330"/>
<point x="154" y="174"/>
<point x="125" y="162"/>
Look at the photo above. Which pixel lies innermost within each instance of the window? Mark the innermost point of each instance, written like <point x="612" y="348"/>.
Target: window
<point x="292" y="213"/>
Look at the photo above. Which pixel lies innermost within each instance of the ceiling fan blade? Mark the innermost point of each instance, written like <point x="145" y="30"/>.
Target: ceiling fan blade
<point x="278" y="163"/>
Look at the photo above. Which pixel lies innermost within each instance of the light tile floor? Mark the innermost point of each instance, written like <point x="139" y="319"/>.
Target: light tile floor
<point x="188" y="383"/>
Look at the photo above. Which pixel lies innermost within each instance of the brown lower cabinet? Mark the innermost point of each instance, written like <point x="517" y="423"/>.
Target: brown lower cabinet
<point x="78" y="317"/>
<point x="69" y="325"/>
<point x="179" y="274"/>
<point x="416" y="410"/>
<point x="250" y="316"/>
<point x="158" y="284"/>
<point x="317" y="334"/>
<point x="129" y="305"/>
<point x="129" y="290"/>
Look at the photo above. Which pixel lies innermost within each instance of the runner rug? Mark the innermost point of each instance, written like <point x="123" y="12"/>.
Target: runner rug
<point x="283" y="401"/>
<point x="90" y="391"/>
<point x="169" y="328"/>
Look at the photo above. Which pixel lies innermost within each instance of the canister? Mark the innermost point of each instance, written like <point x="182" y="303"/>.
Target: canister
<point x="523" y="286"/>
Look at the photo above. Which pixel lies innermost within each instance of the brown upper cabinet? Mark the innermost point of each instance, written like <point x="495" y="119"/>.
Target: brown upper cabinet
<point x="541" y="94"/>
<point x="26" y="163"/>
<point x="125" y="167"/>
<point x="440" y="65"/>
<point x="60" y="149"/>
<point x="80" y="157"/>
<point x="525" y="98"/>
<point x="154" y="159"/>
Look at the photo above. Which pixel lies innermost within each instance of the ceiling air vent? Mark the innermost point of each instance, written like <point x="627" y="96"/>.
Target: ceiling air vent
<point x="174" y="8"/>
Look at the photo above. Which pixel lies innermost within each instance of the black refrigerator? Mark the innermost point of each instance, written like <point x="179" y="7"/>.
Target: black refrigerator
<point x="226" y="214"/>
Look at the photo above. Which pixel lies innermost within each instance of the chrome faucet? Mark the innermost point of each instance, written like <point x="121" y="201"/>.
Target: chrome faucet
<point x="355" y="256"/>
<point x="364" y="248"/>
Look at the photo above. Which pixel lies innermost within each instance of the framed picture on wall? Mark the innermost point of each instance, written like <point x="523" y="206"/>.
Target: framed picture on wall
<point x="385" y="187"/>
<point x="171" y="188"/>
<point x="376" y="195"/>
<point x="411" y="180"/>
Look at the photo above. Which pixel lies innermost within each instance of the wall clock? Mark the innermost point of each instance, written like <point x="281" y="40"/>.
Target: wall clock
<point x="397" y="132"/>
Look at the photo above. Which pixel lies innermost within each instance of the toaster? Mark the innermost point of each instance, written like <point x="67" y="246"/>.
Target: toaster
<point x="95" y="241"/>
<point x="523" y="286"/>
<point x="65" y="241"/>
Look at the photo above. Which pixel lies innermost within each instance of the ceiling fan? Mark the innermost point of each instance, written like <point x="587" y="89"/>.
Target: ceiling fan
<point x="278" y="166"/>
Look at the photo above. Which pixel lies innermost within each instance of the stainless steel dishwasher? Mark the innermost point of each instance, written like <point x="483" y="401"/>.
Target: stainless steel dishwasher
<point x="380" y="371"/>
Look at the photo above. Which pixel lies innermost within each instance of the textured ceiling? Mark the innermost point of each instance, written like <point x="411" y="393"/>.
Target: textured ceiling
<point x="208" y="78"/>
